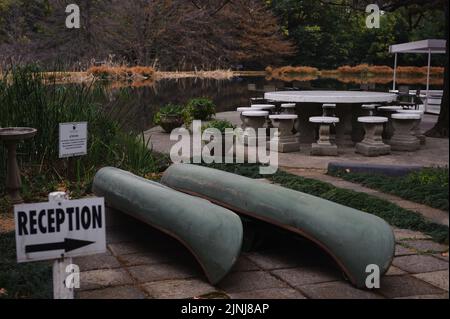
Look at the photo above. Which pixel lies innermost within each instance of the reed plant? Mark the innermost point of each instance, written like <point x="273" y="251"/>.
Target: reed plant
<point x="28" y="101"/>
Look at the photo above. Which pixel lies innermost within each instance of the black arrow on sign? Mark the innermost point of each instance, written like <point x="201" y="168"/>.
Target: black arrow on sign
<point x="67" y="245"/>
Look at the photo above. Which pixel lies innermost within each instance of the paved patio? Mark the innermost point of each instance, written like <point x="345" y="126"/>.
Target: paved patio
<point x="434" y="153"/>
<point x="144" y="263"/>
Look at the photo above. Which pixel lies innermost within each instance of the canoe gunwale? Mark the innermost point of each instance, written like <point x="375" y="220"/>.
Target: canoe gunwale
<point x="180" y="240"/>
<point x="293" y="229"/>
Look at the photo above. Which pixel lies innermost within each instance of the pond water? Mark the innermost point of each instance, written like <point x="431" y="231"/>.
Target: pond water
<point x="143" y="102"/>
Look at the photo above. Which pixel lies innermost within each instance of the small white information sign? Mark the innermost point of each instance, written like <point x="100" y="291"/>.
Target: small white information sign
<point x="53" y="230"/>
<point x="72" y="139"/>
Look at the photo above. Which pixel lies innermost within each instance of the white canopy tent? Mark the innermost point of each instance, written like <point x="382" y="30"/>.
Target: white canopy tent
<point x="430" y="46"/>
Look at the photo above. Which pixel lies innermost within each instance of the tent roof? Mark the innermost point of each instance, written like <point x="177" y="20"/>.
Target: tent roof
<point x="434" y="45"/>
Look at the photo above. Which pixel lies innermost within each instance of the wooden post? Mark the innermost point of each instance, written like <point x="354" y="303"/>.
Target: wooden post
<point x="60" y="290"/>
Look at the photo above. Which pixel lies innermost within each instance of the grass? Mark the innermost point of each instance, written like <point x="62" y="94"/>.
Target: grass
<point x="428" y="186"/>
<point x="29" y="100"/>
<point x="18" y="281"/>
<point x="393" y="214"/>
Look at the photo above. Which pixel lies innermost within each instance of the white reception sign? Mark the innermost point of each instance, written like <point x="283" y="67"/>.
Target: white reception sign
<point x="72" y="139"/>
<point x="54" y="230"/>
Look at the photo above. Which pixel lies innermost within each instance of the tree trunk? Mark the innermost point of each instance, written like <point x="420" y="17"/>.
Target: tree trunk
<point x="441" y="127"/>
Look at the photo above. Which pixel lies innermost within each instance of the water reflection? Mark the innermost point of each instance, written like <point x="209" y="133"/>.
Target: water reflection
<point x="144" y="101"/>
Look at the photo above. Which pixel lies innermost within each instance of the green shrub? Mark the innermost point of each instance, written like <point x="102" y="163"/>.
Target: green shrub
<point x="220" y="125"/>
<point x="202" y="109"/>
<point x="168" y="110"/>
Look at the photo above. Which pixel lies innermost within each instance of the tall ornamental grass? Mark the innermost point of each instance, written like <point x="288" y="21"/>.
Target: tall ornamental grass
<point x="27" y="101"/>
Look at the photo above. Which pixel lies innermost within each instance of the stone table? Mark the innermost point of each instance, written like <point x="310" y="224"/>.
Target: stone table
<point x="348" y="108"/>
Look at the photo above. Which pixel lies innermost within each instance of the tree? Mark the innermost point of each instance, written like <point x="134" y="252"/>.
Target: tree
<point x="441" y="127"/>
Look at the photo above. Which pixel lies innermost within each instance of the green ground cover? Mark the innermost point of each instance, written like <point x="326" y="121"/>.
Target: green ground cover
<point x="428" y="186"/>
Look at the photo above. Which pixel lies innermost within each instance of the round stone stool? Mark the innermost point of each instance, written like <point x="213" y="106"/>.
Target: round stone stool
<point x="324" y="146"/>
<point x="373" y="145"/>
<point x="245" y="109"/>
<point x="403" y="139"/>
<point x="369" y="109"/>
<point x="284" y="141"/>
<point x="416" y="128"/>
<point x="254" y="120"/>
<point x="387" y="111"/>
<point x="329" y="109"/>
<point x="288" y="108"/>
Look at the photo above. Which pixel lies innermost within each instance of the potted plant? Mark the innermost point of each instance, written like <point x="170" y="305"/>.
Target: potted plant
<point x="169" y="117"/>
<point x="221" y="126"/>
<point x="199" y="109"/>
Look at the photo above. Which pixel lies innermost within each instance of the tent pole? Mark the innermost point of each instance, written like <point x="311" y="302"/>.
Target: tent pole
<point x="395" y="71"/>
<point x="428" y="78"/>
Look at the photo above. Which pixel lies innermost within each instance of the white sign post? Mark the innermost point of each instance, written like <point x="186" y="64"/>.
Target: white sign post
<point x="72" y="139"/>
<point x="60" y="229"/>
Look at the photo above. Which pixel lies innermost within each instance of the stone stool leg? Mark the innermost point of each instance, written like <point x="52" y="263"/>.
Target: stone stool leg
<point x="373" y="145"/>
<point x="418" y="133"/>
<point x="403" y="139"/>
<point x="251" y="130"/>
<point x="324" y="146"/>
<point x="284" y="141"/>
<point x="13" y="180"/>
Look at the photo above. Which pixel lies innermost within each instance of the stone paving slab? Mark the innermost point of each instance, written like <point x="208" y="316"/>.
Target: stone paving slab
<point x="394" y="271"/>
<point x="178" y="289"/>
<point x="121" y="292"/>
<point x="148" y="258"/>
<point x="158" y="272"/>
<point x="402" y="234"/>
<point x="337" y="290"/>
<point x="100" y="261"/>
<point x="405" y="286"/>
<point x="426" y="245"/>
<point x="104" y="278"/>
<point x="126" y="248"/>
<point x="443" y="256"/>
<point x="269" y="260"/>
<point x="403" y="251"/>
<point x="250" y="281"/>
<point x="150" y="265"/>
<point x="305" y="276"/>
<point x="271" y="293"/>
<point x="420" y="263"/>
<point x="244" y="264"/>
<point x="441" y="296"/>
<point x="437" y="278"/>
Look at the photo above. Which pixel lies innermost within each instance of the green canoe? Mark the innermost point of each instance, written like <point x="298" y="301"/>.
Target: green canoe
<point x="212" y="233"/>
<point x="353" y="238"/>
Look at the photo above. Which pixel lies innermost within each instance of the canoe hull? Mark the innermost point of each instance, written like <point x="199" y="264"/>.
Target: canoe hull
<point x="212" y="233"/>
<point x="354" y="239"/>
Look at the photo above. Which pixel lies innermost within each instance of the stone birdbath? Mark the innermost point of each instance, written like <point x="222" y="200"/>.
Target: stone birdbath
<point x="11" y="136"/>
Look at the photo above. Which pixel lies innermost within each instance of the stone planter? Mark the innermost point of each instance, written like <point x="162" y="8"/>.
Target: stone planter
<point x="170" y="122"/>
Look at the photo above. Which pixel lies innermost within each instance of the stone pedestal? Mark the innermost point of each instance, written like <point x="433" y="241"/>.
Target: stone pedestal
<point x="254" y="120"/>
<point x="403" y="139"/>
<point x="388" y="111"/>
<point x="416" y="127"/>
<point x="373" y="145"/>
<point x="11" y="136"/>
<point x="288" y="108"/>
<point x="324" y="145"/>
<point x="284" y="141"/>
<point x="245" y="109"/>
